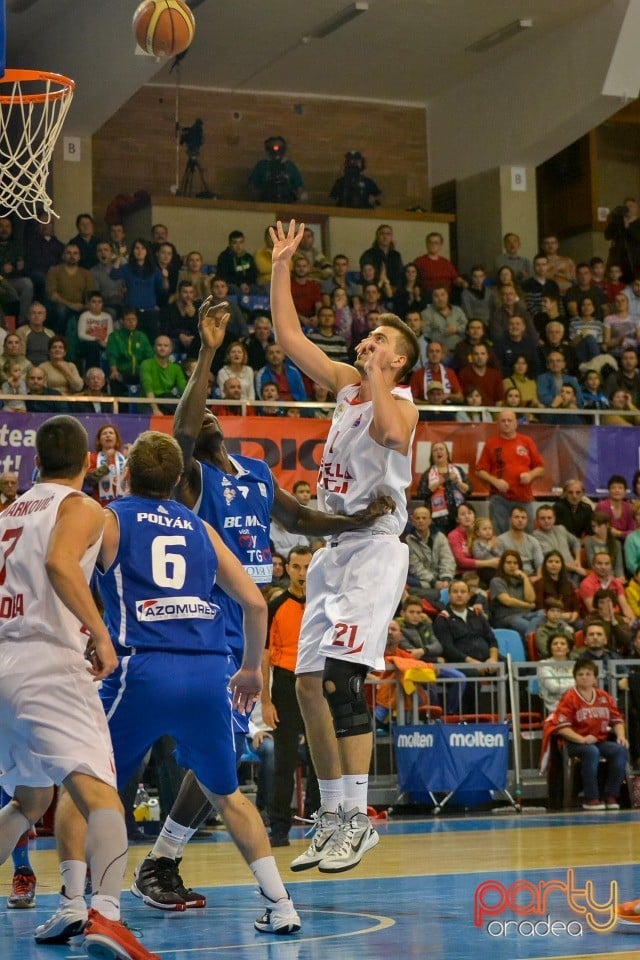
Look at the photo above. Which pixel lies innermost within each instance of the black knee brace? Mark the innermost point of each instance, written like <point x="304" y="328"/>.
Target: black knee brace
<point x="343" y="688"/>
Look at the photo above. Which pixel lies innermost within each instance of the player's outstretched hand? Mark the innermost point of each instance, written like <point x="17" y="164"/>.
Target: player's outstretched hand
<point x="378" y="507"/>
<point x="285" y="244"/>
<point x="212" y="322"/>
<point x="245" y="687"/>
<point x="101" y="655"/>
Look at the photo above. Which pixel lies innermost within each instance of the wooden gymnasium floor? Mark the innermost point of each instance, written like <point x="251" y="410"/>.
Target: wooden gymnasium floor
<point x="411" y="897"/>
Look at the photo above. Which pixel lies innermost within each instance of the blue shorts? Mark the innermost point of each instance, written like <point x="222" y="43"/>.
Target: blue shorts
<point x="184" y="695"/>
<point x="234" y="637"/>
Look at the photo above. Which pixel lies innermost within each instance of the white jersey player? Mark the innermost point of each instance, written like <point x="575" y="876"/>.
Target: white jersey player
<point x="354" y="586"/>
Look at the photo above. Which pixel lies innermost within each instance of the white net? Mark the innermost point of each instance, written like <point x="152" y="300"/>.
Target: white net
<point x="33" y="107"/>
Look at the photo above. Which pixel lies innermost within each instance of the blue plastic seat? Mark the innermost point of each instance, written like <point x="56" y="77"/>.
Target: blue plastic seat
<point x="510" y="641"/>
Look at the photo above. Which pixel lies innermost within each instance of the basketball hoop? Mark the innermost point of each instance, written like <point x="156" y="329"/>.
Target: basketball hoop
<point x="33" y="107"/>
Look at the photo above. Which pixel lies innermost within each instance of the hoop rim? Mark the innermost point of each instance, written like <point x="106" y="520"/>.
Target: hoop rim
<point x="67" y="86"/>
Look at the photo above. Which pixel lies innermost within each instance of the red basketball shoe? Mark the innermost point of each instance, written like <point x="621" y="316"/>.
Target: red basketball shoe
<point x="111" y="940"/>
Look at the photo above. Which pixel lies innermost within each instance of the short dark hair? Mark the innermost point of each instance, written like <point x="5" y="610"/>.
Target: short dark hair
<point x="586" y="664"/>
<point x="62" y="445"/>
<point x="301" y="483"/>
<point x="300" y="550"/>
<point x="617" y="478"/>
<point x="409" y="342"/>
<point x="236" y="235"/>
<point x="561" y="636"/>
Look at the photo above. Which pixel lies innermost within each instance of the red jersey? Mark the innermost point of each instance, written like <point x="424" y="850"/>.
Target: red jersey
<point x="306" y="296"/>
<point x="593" y="718"/>
<point x="435" y="272"/>
<point x="507" y="459"/>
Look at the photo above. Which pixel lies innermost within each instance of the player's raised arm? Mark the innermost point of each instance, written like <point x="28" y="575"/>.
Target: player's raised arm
<point x="305" y="354"/>
<point x="296" y="518"/>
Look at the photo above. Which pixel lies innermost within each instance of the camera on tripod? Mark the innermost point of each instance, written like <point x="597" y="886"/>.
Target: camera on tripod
<point x="193" y="138"/>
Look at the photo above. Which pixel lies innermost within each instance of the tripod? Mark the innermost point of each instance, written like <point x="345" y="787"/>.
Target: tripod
<point x="186" y="184"/>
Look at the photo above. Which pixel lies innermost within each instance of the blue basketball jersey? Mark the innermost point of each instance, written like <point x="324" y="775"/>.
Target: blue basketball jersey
<point x="158" y="592"/>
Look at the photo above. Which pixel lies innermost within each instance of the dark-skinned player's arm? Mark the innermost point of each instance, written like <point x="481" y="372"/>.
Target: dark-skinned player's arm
<point x="296" y="518"/>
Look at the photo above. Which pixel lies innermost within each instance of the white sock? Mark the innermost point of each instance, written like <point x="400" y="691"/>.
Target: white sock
<point x="106" y="906"/>
<point x="331" y="794"/>
<point x="172" y="840"/>
<point x="266" y="873"/>
<point x="74" y="874"/>
<point x="107" y="859"/>
<point x="355" y="792"/>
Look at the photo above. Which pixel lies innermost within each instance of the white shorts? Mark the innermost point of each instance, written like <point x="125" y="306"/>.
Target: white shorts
<point x="52" y="722"/>
<point x="353" y="591"/>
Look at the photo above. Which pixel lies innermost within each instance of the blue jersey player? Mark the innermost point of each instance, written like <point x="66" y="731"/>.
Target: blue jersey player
<point x="158" y="564"/>
<point x="238" y="496"/>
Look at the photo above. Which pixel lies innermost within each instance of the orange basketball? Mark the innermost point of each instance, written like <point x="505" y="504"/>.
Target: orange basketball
<point x="163" y="28"/>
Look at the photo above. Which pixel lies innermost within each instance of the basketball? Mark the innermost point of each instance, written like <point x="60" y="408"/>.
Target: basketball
<point x="163" y="28"/>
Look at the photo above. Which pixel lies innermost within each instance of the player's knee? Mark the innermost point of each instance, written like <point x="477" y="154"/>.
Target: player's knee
<point x="343" y="688"/>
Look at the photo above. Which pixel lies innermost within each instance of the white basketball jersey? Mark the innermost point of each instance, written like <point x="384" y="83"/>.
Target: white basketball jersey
<point x="355" y="468"/>
<point x="29" y="606"/>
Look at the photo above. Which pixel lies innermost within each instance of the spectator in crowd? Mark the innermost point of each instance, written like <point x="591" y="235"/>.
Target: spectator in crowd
<point x="512" y="597"/>
<point x="602" y="538"/>
<point x="162" y="377"/>
<point x="593" y="395"/>
<point x="434" y="370"/>
<point x="236" y="265"/>
<point x="322" y="395"/>
<point x="237" y="326"/>
<point x="170" y="271"/>
<point x="12" y="269"/>
<point x="443" y="321"/>
<point x="561" y="269"/>
<point x="61" y="374"/>
<point x="436" y="397"/>
<point x="517" y="342"/>
<point x="263" y="262"/>
<point x="509" y="463"/>
<point x="431" y="563"/>
<point x="95" y="391"/>
<point x="615" y="283"/>
<point x="511" y="257"/>
<point x="107" y="464"/>
<point x="236" y="366"/>
<point x="555" y="672"/>
<point x="550" y="383"/>
<point x="475" y="333"/>
<point x="43" y="250"/>
<point x="94" y="327"/>
<point x="283" y="373"/>
<point x="338" y="280"/>
<point x="284" y="540"/>
<point x="554" y="338"/>
<point x="632" y="542"/>
<point x="632" y="293"/>
<point x="435" y="270"/>
<point x="35" y="335"/>
<point x="320" y="268"/>
<point x="67" y="285"/>
<point x="554" y="584"/>
<point x="602" y="578"/>
<point x="118" y="240"/>
<point x="509" y="304"/>
<point x="616" y="507"/>
<point x="554" y="624"/>
<point x="627" y="377"/>
<point x="127" y="348"/>
<point x="383" y="254"/>
<point x="345" y="316"/>
<point x="480" y="376"/>
<point x="552" y="535"/>
<point x="484" y="545"/>
<point x="327" y="338"/>
<point x="616" y="628"/>
<point x="586" y="332"/>
<point x="632" y="593"/>
<point x="573" y="510"/>
<point x="270" y="396"/>
<point x="231" y="390"/>
<point x="538" y="286"/>
<point x="623" y="229"/>
<point x="418" y="640"/>
<point x="459" y="543"/>
<point x="622" y="411"/>
<point x="582" y="288"/>
<point x="620" y="328"/>
<point x="180" y="321"/>
<point x="525" y="544"/>
<point x="408" y="295"/>
<point x="37" y="387"/>
<point x="85" y="240"/>
<point x="9" y="489"/>
<point x="443" y="488"/>
<point x="595" y="648"/>
<point x="476" y="298"/>
<point x="258" y="341"/>
<point x="565" y="400"/>
<point x="306" y="293"/>
<point x="513" y="398"/>
<point x="112" y="291"/>
<point x="13" y="350"/>
<point x="160" y="238"/>
<point x="13" y="382"/>
<point x="476" y="412"/>
<point x="144" y="283"/>
<point x="525" y="385"/>
<point x="192" y="271"/>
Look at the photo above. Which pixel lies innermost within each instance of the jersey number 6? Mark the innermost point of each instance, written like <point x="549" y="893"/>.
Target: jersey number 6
<point x="168" y="569"/>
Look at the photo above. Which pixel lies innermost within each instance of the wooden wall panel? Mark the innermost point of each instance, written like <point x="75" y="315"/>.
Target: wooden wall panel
<point x="135" y="149"/>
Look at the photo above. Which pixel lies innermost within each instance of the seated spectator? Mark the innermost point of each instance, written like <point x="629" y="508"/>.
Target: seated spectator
<point x="13" y="349"/>
<point x="550" y="383"/>
<point x="339" y="303"/>
<point x="632" y="542"/>
<point x="13" y="382"/>
<point x="512" y="597"/>
<point x="617" y="508"/>
<point x="434" y="270"/>
<point x="515" y="343"/>
<point x="118" y="240"/>
<point x="586" y="332"/>
<point x="477" y="596"/>
<point x="584" y="288"/>
<point x="435" y="370"/>
<point x="12" y="267"/>
<point x="551" y="535"/>
<point x="231" y="390"/>
<point x="443" y="488"/>
<point x="67" y="285"/>
<point x="596" y="649"/>
<point x="593" y="395"/>
<point x="107" y="465"/>
<point x="512" y="257"/>
<point x="436" y="397"/>
<point x="306" y="293"/>
<point x="62" y="374"/>
<point x="561" y="269"/>
<point x="525" y="384"/>
<point x="383" y="253"/>
<point x="145" y="283"/>
<point x="614" y="283"/>
<point x="555" y="672"/>
<point x="320" y="267"/>
<point x="180" y="321"/>
<point x="322" y="395"/>
<point x="237" y="326"/>
<point x="201" y="282"/>
<point x="264" y="262"/>
<point x="165" y="260"/>
<point x="236" y="366"/>
<point x="396" y="662"/>
<point x="632" y="593"/>
<point x="258" y="341"/>
<point x="37" y="387"/>
<point x="513" y="398"/>
<point x="327" y="338"/>
<point x="602" y="578"/>
<point x="525" y="544"/>
<point x="126" y="350"/>
<point x="270" y="396"/>
<point x="602" y="539"/>
<point x="598" y="273"/>
<point x="95" y="392"/>
<point x="443" y="322"/>
<point x="554" y="339"/>
<point x="620" y="328"/>
<point x="537" y="286"/>
<point x="160" y="238"/>
<point x="283" y="373"/>
<point x="484" y="545"/>
<point x="632" y="293"/>
<point x="554" y="584"/>
<point x="509" y="305"/>
<point x="431" y="563"/>
<point x="574" y="510"/>
<point x="475" y="333"/>
<point x="476" y="298"/>
<point x="504" y="277"/>
<point x="565" y="400"/>
<point x="160" y="376"/>
<point x="622" y="411"/>
<point x="236" y="265"/>
<point x="459" y="542"/>
<point x="35" y="335"/>
<point x="586" y="716"/>
<point x="112" y="291"/>
<point x="480" y="376"/>
<point x="43" y="250"/>
<point x="338" y="280"/>
<point x="94" y="326"/>
<point x="616" y="628"/>
<point x="420" y="642"/>
<point x="626" y="377"/>
<point x="409" y="295"/>
<point x="553" y="625"/>
<point x="85" y="240"/>
<point x="473" y="398"/>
